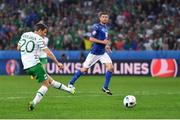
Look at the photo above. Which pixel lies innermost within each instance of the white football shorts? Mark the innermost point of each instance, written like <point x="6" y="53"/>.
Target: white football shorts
<point x="91" y="59"/>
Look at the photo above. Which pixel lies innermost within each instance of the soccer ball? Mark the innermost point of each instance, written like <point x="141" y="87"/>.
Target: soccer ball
<point x="129" y="101"/>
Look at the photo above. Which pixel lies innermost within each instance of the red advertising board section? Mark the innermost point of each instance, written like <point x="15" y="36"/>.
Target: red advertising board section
<point x="155" y="68"/>
<point x="164" y="68"/>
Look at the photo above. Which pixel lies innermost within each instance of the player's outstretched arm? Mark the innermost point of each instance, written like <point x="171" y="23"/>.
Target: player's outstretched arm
<point x="105" y="42"/>
<point x="51" y="55"/>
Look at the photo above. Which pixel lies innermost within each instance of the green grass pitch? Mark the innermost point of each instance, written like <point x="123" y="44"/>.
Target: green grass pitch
<point x="156" y="98"/>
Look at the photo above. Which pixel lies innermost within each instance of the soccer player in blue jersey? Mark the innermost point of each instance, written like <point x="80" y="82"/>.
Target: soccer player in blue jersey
<point x="99" y="37"/>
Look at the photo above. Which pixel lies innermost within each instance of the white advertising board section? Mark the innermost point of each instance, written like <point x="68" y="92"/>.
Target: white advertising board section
<point x="155" y="68"/>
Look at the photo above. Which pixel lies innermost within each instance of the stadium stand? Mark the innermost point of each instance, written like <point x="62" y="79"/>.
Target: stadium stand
<point x="135" y="24"/>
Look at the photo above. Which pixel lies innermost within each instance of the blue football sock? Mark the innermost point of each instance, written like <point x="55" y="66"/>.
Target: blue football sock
<point x="75" y="77"/>
<point x="108" y="78"/>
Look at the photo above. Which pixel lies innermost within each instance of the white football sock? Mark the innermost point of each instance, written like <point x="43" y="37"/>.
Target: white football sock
<point x="59" y="85"/>
<point x="39" y="95"/>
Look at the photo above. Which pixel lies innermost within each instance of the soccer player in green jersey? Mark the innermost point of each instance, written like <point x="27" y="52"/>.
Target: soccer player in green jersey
<point x="29" y="45"/>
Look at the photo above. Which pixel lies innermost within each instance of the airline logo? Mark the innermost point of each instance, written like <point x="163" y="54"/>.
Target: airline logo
<point x="164" y="68"/>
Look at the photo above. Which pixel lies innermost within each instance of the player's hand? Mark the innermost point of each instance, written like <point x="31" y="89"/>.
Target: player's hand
<point x="108" y="49"/>
<point x="60" y="65"/>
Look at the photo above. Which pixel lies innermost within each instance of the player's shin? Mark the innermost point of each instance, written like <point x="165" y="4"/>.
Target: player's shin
<point x="75" y="77"/>
<point x="39" y="95"/>
<point x="108" y="75"/>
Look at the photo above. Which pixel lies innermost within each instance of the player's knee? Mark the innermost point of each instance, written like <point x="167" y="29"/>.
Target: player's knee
<point x="110" y="67"/>
<point x="84" y="70"/>
<point x="46" y="83"/>
<point x="50" y="81"/>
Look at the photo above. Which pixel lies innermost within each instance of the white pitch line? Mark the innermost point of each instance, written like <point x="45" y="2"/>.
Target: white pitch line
<point x="115" y="93"/>
<point x="93" y="94"/>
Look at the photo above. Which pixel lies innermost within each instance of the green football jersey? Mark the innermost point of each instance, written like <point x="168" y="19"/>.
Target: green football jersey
<point x="30" y="44"/>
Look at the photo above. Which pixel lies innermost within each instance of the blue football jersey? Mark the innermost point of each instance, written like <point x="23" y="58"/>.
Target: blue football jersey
<point x="99" y="32"/>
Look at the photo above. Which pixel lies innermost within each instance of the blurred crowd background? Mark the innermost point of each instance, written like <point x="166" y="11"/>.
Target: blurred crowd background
<point x="134" y="24"/>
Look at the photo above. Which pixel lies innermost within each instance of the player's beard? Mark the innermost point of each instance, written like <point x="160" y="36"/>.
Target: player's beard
<point x="104" y="22"/>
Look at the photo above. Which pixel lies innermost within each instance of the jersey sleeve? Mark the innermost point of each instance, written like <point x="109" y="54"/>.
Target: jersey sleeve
<point x="21" y="41"/>
<point x="94" y="30"/>
<point x="41" y="43"/>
